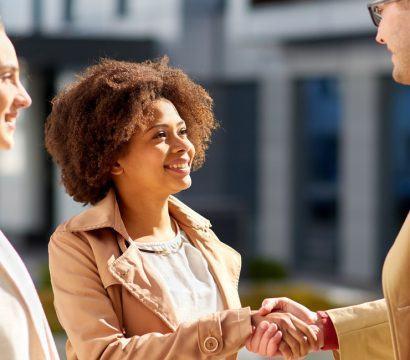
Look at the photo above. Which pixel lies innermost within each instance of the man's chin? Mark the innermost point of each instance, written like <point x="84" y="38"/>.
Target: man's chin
<point x="400" y="77"/>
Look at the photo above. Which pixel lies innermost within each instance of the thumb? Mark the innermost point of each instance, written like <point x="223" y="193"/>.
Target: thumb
<point x="268" y="305"/>
<point x="302" y="312"/>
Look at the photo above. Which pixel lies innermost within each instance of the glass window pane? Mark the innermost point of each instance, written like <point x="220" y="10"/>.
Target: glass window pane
<point x="224" y="190"/>
<point x="317" y="177"/>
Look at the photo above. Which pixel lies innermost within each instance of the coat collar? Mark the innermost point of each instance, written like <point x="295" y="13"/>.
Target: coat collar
<point x="106" y="214"/>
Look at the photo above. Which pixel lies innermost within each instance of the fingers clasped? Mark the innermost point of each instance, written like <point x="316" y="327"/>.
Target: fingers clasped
<point x="283" y="327"/>
<point x="265" y="339"/>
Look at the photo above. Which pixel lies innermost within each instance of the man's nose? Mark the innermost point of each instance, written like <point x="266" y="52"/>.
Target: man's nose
<point x="379" y="36"/>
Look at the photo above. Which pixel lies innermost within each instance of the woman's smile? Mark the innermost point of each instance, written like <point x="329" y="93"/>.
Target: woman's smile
<point x="180" y="167"/>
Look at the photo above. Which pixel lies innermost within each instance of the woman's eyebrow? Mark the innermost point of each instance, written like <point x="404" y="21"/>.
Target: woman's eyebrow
<point x="11" y="68"/>
<point x="8" y="67"/>
<point x="182" y="122"/>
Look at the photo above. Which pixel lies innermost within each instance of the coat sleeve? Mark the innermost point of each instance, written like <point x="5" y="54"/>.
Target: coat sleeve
<point x="363" y="332"/>
<point x="86" y="313"/>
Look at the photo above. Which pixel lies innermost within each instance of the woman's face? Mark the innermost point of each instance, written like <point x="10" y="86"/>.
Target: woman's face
<point x="159" y="157"/>
<point x="13" y="96"/>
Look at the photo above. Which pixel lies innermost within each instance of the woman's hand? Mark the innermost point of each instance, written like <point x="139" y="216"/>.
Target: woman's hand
<point x="298" y="337"/>
<point x="265" y="339"/>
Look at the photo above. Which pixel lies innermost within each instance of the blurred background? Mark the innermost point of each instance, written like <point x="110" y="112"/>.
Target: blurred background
<point x="308" y="176"/>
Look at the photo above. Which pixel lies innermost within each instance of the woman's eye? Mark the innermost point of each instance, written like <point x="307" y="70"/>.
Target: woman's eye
<point x="160" y="134"/>
<point x="7" y="77"/>
<point x="183" y="131"/>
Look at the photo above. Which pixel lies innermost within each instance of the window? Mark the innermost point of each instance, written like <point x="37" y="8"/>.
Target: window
<point x="122" y="8"/>
<point x="316" y="174"/>
<point x="224" y="190"/>
<point x="68" y="10"/>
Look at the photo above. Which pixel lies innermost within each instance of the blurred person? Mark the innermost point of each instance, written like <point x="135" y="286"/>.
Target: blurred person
<point x="378" y="329"/>
<point x="24" y="331"/>
<point x="140" y="275"/>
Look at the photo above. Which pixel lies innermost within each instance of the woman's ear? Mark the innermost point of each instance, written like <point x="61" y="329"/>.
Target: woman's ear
<point x="117" y="169"/>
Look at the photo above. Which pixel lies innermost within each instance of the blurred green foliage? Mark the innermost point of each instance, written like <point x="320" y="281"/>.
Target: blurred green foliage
<point x="268" y="278"/>
<point x="265" y="269"/>
<point x="44" y="281"/>
<point x="45" y="293"/>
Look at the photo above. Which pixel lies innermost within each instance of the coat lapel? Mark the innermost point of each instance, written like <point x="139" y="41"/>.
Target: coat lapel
<point x="129" y="268"/>
<point x="396" y="269"/>
<point x="223" y="266"/>
<point x="396" y="288"/>
<point x="144" y="283"/>
<point x="224" y="263"/>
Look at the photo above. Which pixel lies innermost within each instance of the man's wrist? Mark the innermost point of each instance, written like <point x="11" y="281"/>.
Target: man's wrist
<point x="320" y="326"/>
<point x="327" y="332"/>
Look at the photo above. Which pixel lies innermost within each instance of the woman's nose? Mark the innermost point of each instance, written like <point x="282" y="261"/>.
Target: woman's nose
<point x="23" y="99"/>
<point x="180" y="144"/>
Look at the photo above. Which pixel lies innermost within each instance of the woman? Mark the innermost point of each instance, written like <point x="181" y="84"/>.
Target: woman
<point x="24" y="331"/>
<point x="140" y="275"/>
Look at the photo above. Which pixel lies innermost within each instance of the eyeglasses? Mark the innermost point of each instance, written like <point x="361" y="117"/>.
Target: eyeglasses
<point x="376" y="11"/>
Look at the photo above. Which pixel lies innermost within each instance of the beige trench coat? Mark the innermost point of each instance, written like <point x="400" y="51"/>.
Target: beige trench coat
<point x="24" y="330"/>
<point x="114" y="306"/>
<point x="380" y="330"/>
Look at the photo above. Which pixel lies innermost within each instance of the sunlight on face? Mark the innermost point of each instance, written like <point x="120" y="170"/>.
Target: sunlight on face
<point x="394" y="32"/>
<point x="13" y="96"/>
<point x="159" y="157"/>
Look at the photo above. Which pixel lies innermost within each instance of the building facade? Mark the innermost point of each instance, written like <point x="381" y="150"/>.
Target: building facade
<point x="310" y="165"/>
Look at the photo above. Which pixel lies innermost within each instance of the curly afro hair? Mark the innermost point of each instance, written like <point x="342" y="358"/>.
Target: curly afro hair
<point x="93" y="119"/>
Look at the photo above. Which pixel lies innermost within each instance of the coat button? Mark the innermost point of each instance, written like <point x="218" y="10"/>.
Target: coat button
<point x="211" y="344"/>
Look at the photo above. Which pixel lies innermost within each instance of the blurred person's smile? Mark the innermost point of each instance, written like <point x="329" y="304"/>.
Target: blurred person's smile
<point x="13" y="96"/>
<point x="10" y="119"/>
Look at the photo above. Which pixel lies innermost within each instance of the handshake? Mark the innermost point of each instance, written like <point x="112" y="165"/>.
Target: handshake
<point x="282" y="327"/>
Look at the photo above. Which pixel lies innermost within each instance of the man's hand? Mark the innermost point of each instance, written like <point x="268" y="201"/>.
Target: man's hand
<point x="287" y="305"/>
<point x="303" y="313"/>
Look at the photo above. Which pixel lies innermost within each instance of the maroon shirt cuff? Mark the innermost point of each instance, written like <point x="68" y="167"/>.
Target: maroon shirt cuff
<point x="329" y="333"/>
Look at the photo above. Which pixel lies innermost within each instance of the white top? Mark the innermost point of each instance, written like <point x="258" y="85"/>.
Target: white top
<point x="24" y="331"/>
<point x="185" y="272"/>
